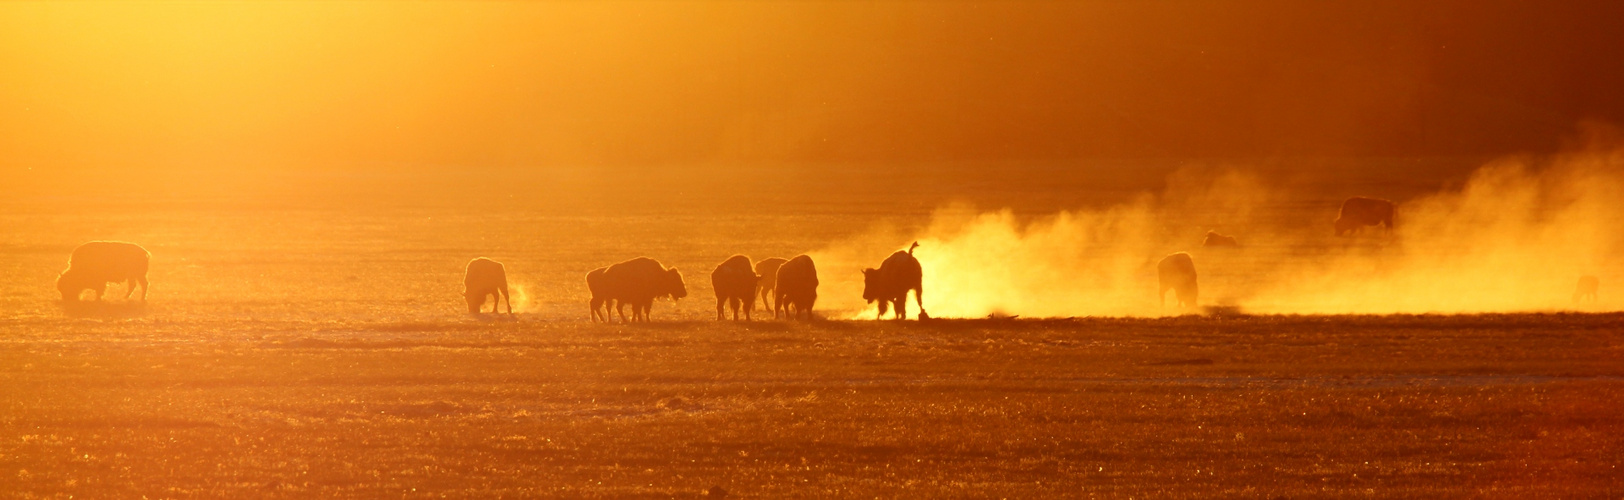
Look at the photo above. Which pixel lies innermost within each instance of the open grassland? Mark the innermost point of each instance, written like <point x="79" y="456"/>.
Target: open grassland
<point x="1510" y="406"/>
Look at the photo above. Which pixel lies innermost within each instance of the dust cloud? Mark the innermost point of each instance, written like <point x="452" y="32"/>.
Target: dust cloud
<point x="1514" y="236"/>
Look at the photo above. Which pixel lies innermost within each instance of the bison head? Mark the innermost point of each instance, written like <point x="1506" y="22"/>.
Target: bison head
<point x="474" y="301"/>
<point x="674" y="285"/>
<point x="70" y="285"/>
<point x="1344" y="226"/>
<point x="871" y="285"/>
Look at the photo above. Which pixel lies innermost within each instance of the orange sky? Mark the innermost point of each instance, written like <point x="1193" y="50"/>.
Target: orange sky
<point x="383" y="84"/>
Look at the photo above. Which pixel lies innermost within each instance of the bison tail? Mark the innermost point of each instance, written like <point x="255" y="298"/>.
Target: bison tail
<point x="911" y="248"/>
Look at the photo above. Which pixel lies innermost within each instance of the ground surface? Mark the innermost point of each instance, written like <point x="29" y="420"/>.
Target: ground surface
<point x="1244" y="407"/>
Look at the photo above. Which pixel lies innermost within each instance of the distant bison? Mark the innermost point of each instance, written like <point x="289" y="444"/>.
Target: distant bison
<point x="638" y="282"/>
<point x="96" y="263"/>
<point x="594" y="284"/>
<point x="767" y="269"/>
<point x="735" y="283"/>
<point x="1586" y="289"/>
<point x="1218" y="240"/>
<point x="796" y="287"/>
<point x="1177" y="272"/>
<point x="486" y="278"/>
<point x="891" y="282"/>
<point x="1358" y="212"/>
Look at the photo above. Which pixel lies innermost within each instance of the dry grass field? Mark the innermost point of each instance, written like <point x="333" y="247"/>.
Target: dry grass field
<point x="319" y="349"/>
<point x="1518" y="406"/>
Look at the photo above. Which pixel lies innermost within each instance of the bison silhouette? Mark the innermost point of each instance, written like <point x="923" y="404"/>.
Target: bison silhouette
<point x="1586" y="289"/>
<point x="1177" y="273"/>
<point x="767" y="269"/>
<point x="734" y="281"/>
<point x="595" y="285"/>
<point x="486" y="278"/>
<point x="638" y="282"/>
<point x="1214" y="239"/>
<point x="97" y="263"/>
<point x="891" y="282"/>
<point x="796" y="288"/>
<point x="1358" y="212"/>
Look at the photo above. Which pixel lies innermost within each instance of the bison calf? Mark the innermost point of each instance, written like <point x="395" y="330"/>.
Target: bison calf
<point x="767" y="269"/>
<point x="1177" y="272"/>
<point x="486" y="278"/>
<point x="594" y="284"/>
<point x="97" y="263"/>
<point x="796" y="288"/>
<point x="735" y="282"/>
<point x="891" y="282"/>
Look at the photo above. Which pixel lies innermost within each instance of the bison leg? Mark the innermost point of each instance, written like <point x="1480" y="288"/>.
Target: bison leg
<point x="506" y="297"/>
<point x="142" y="280"/>
<point x="620" y="307"/>
<point x="719" y="302"/>
<point x="919" y="295"/>
<point x="735" y="302"/>
<point x="902" y="306"/>
<point x="101" y="289"/>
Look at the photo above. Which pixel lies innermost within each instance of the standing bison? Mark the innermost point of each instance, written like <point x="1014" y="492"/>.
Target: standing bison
<point x="486" y="278"/>
<point x="594" y="284"/>
<point x="891" y="282"/>
<point x="638" y="282"/>
<point x="1358" y="212"/>
<point x="796" y="287"/>
<point x="1177" y="272"/>
<point x="97" y="263"/>
<point x="1586" y="289"/>
<point x="735" y="282"/>
<point x="767" y="269"/>
<point x="1214" y="239"/>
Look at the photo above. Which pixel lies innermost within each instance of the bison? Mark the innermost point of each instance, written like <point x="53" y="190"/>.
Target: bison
<point x="891" y="282"/>
<point x="796" y="287"/>
<point x="594" y="284"/>
<point x="767" y="269"/>
<point x="97" y="263"/>
<point x="486" y="278"/>
<point x="1218" y="240"/>
<point x="1177" y="272"/>
<point x="735" y="282"/>
<point x="1586" y="289"/>
<point x="1358" y="212"/>
<point x="638" y="282"/>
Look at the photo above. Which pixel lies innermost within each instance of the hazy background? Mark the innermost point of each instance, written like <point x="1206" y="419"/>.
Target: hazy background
<point x="362" y="152"/>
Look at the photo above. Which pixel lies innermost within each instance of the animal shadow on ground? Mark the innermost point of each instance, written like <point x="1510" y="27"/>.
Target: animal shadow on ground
<point x="494" y="317"/>
<point x="103" y="309"/>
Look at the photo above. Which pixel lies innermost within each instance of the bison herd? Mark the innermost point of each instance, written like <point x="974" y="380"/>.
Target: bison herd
<point x="788" y="288"/>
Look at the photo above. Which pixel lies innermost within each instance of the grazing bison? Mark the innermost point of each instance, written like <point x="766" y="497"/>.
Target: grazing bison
<point x="1218" y="240"/>
<point x="891" y="282"/>
<point x="594" y="284"/>
<point x="1586" y="289"/>
<point x="735" y="282"/>
<point x="796" y="287"/>
<point x="486" y="278"/>
<point x="638" y="282"/>
<point x="1358" y="212"/>
<point x="1177" y="272"/>
<point x="767" y="269"/>
<point x="96" y="263"/>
